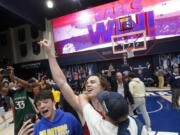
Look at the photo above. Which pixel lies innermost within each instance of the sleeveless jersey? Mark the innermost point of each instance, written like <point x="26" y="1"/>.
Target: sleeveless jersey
<point x="22" y="107"/>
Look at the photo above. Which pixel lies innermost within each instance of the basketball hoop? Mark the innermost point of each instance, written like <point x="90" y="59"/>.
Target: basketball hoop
<point x="129" y="43"/>
<point x="130" y="52"/>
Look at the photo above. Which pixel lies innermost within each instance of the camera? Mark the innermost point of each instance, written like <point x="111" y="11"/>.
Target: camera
<point x="30" y="116"/>
<point x="5" y="72"/>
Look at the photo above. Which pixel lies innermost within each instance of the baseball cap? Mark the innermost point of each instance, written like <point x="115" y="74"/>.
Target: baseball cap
<point x="113" y="104"/>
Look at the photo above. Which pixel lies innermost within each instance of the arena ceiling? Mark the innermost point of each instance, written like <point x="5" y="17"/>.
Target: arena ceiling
<point x="17" y="12"/>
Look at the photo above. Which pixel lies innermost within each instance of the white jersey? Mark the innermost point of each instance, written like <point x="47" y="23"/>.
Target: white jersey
<point x="98" y="126"/>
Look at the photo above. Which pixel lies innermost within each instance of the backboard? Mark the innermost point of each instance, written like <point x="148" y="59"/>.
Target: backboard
<point x="129" y="42"/>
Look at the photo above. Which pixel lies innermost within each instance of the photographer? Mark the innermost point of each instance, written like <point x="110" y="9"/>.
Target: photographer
<point x="5" y="72"/>
<point x="20" y="97"/>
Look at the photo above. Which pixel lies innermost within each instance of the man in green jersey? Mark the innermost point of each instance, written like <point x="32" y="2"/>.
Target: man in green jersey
<point x="22" y="103"/>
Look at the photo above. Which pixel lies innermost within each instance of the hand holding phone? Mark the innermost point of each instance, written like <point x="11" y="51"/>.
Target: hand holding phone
<point x="27" y="128"/>
<point x="32" y="117"/>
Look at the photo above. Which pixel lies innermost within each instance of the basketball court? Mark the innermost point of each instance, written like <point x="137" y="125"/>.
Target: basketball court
<point x="165" y="119"/>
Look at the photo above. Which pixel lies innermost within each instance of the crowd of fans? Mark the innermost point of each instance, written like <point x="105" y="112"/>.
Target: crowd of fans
<point x="101" y="105"/>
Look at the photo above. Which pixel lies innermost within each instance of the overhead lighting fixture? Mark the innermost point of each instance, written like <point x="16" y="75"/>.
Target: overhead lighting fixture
<point x="85" y="17"/>
<point x="50" y="3"/>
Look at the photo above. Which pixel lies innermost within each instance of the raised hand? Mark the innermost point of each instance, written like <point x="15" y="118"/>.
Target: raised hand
<point x="47" y="46"/>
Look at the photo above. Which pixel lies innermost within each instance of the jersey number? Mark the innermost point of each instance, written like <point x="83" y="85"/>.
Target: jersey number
<point x="19" y="105"/>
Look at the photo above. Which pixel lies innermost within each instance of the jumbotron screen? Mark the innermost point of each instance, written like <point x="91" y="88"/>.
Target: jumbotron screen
<point x="93" y="28"/>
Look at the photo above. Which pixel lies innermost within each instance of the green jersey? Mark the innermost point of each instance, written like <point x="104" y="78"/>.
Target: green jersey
<point x="22" y="107"/>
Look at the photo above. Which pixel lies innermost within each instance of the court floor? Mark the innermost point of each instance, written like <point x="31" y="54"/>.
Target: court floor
<point x="165" y="120"/>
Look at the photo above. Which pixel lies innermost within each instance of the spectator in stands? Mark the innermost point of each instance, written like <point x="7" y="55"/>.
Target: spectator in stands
<point x="160" y="73"/>
<point x="54" y="121"/>
<point x="115" y="119"/>
<point x="137" y="89"/>
<point x="174" y="82"/>
<point x="140" y="75"/>
<point x="126" y="69"/>
<point x="167" y="76"/>
<point x="148" y="71"/>
<point x="75" y="83"/>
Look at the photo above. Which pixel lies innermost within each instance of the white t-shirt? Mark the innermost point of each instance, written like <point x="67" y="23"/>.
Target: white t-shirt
<point x="120" y="89"/>
<point x="98" y="126"/>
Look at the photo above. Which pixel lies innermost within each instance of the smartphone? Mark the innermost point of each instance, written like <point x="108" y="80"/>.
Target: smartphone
<point x="30" y="116"/>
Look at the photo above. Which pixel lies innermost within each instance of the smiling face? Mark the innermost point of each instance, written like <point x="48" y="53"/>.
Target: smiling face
<point x="46" y="108"/>
<point x="93" y="86"/>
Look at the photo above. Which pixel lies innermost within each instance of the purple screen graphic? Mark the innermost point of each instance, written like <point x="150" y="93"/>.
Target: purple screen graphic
<point x="90" y="29"/>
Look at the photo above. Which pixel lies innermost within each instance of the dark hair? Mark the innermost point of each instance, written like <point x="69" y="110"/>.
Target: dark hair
<point x="44" y="94"/>
<point x="33" y="82"/>
<point x="103" y="81"/>
<point x="131" y="75"/>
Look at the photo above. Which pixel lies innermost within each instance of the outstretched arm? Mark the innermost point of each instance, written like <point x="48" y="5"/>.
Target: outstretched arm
<point x="24" y="82"/>
<point x="19" y="80"/>
<point x="60" y="78"/>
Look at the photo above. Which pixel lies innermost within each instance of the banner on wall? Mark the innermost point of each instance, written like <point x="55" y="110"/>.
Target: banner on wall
<point x="93" y="28"/>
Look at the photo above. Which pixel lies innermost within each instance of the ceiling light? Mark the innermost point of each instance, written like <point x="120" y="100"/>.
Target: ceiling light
<point x="85" y="17"/>
<point x="50" y="3"/>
